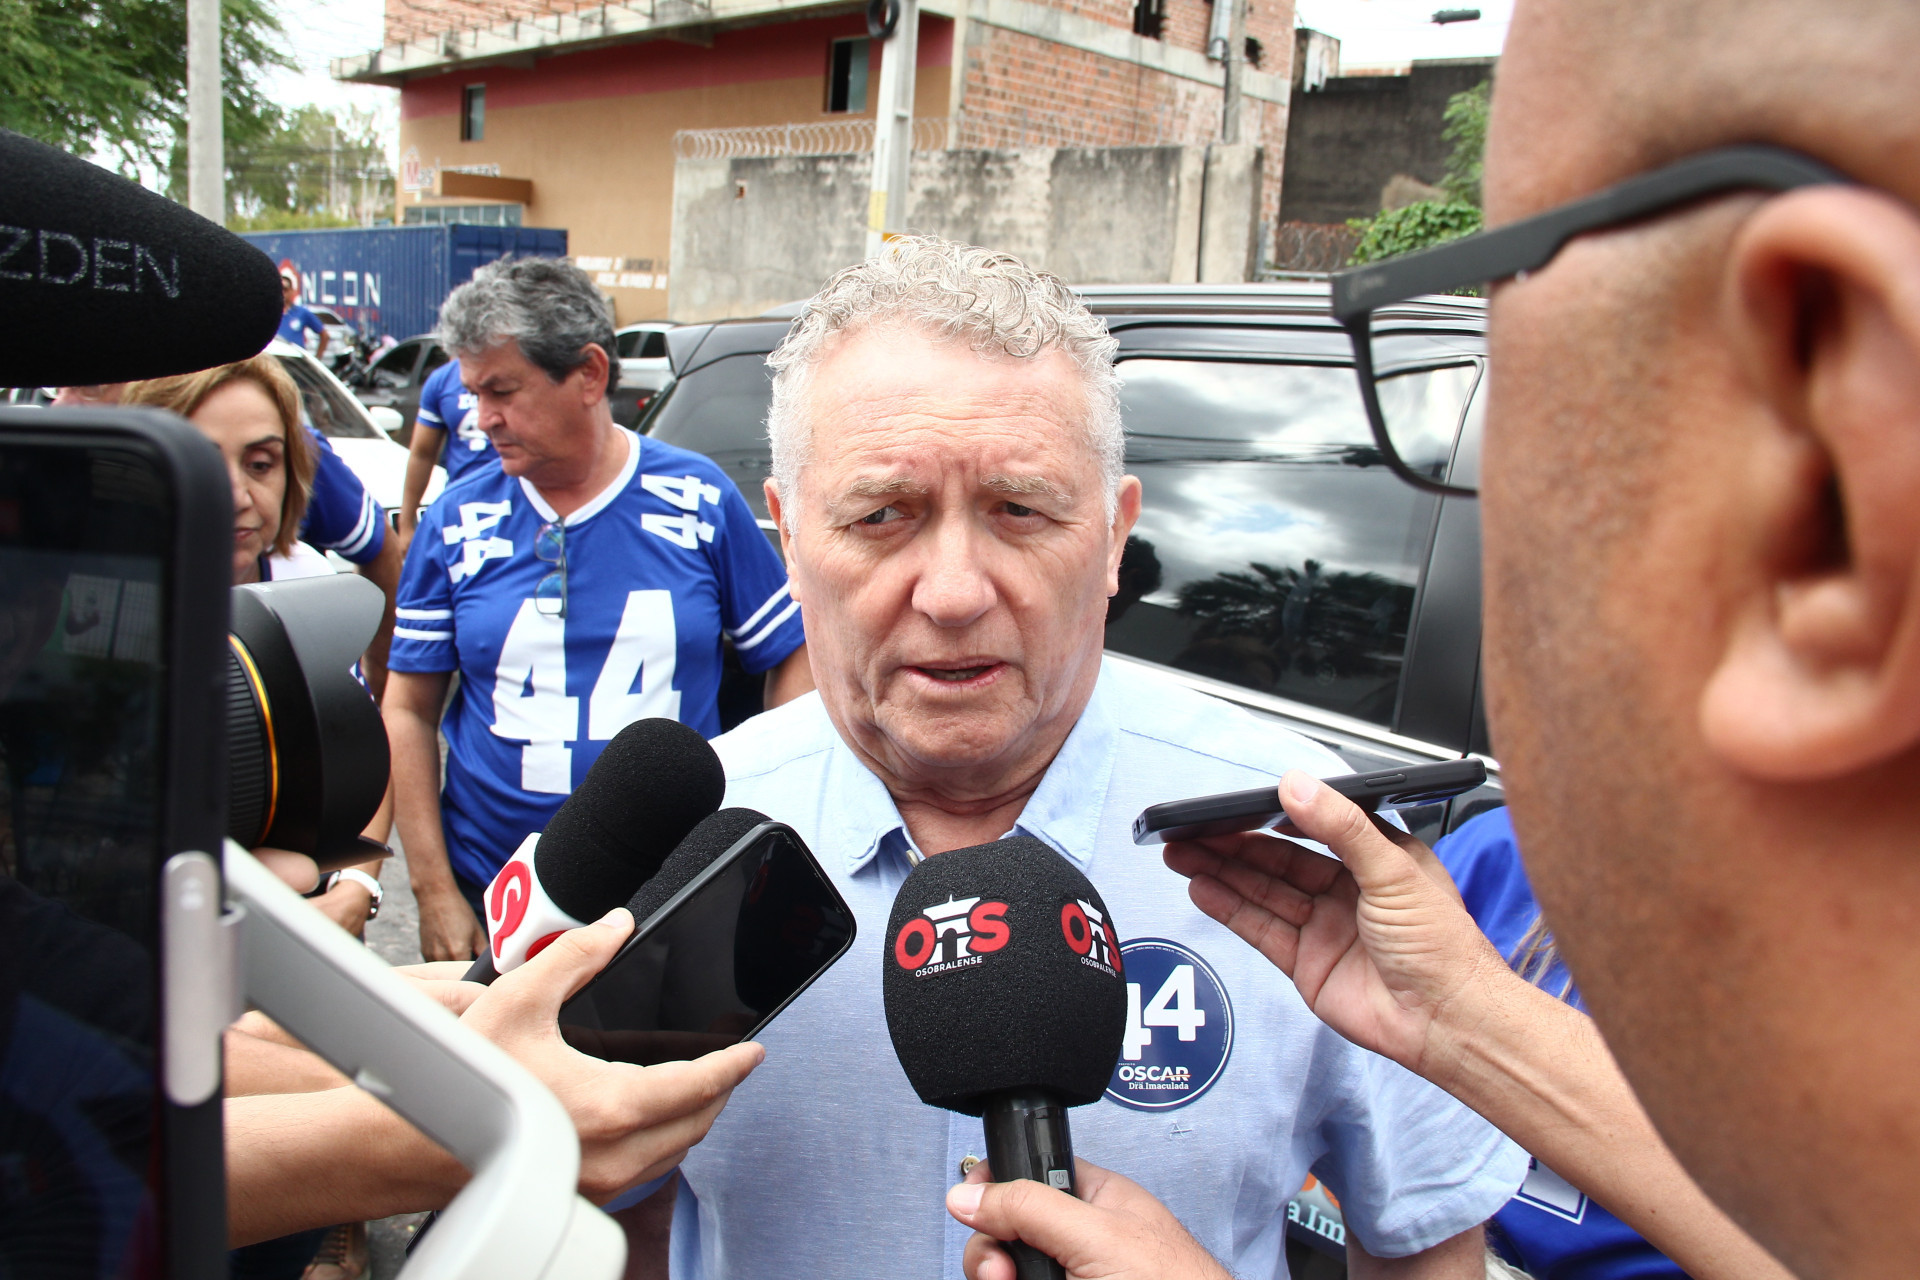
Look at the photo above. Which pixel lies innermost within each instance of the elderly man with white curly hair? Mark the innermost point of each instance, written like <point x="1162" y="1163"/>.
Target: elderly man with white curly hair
<point x="948" y="483"/>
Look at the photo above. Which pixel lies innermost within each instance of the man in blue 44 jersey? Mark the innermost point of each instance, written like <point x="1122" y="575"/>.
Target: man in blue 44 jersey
<point x="449" y="415"/>
<point x="582" y="584"/>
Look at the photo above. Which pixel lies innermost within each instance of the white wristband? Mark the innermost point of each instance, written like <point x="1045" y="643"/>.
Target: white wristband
<point x="368" y="883"/>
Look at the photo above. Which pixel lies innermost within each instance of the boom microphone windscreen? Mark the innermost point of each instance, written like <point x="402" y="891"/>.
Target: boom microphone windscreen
<point x="716" y="834"/>
<point x="651" y="785"/>
<point x="102" y="280"/>
<point x="1002" y="973"/>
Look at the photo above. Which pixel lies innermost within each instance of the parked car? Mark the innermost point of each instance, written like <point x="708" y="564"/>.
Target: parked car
<point x="642" y="349"/>
<point x="343" y="338"/>
<point x="1277" y="563"/>
<point x="363" y="437"/>
<point x="394" y="379"/>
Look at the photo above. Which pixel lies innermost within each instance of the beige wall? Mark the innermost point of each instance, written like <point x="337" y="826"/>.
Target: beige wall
<point x="603" y="167"/>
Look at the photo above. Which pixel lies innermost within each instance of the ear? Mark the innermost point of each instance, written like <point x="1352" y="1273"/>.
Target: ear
<point x="1821" y="673"/>
<point x="593" y="373"/>
<point x="780" y="521"/>
<point x="1126" y="511"/>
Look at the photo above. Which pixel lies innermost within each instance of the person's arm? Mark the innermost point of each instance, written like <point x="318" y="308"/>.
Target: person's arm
<point x="296" y="1161"/>
<point x="383" y="571"/>
<point x="1381" y="949"/>
<point x="1464" y="1257"/>
<point x="448" y="929"/>
<point x="423" y="453"/>
<point x="793" y="677"/>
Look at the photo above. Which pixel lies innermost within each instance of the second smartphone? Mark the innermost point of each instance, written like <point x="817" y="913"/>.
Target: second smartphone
<point x="719" y="960"/>
<point x="1258" y="808"/>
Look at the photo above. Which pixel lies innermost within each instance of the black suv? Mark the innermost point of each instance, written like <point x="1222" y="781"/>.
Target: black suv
<point x="1278" y="563"/>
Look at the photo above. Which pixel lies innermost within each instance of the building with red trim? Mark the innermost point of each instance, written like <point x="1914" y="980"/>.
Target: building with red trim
<point x="566" y="114"/>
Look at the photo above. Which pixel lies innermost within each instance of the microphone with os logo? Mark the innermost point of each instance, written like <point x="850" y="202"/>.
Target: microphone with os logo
<point x="655" y="781"/>
<point x="1005" y="1000"/>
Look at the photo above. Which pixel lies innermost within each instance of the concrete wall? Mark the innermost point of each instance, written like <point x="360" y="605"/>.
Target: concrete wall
<point x="749" y="234"/>
<point x="1348" y="139"/>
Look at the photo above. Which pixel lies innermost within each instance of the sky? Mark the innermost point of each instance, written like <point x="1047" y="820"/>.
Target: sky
<point x="321" y="30"/>
<point x="1372" y="32"/>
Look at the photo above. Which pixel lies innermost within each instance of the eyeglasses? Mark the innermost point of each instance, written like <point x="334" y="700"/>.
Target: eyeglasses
<point x="1394" y="364"/>
<point x="550" y="545"/>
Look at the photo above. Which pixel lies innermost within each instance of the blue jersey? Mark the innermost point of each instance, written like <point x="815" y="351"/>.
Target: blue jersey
<point x="296" y="322"/>
<point x="1549" y="1229"/>
<point x="659" y="567"/>
<point x="447" y="405"/>
<point x="341" y="515"/>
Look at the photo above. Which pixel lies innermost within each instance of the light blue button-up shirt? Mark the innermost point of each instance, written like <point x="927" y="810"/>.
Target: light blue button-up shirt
<point x="826" y="1164"/>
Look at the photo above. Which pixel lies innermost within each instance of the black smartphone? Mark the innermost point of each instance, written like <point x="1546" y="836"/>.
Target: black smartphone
<point x="719" y="960"/>
<point x="1259" y="807"/>
<point x="116" y="545"/>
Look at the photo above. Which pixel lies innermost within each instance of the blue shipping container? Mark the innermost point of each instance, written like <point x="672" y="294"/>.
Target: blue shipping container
<point x="392" y="280"/>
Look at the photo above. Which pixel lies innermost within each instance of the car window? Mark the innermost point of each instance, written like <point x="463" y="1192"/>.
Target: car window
<point x="325" y="316"/>
<point x="394" y="368"/>
<point x="624" y="344"/>
<point x="718" y="408"/>
<point x="437" y="355"/>
<point x="655" y="346"/>
<point x="328" y="409"/>
<point x="1274" y="550"/>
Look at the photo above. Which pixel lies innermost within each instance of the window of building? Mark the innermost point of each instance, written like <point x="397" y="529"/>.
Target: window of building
<point x="847" y="75"/>
<point x="485" y="215"/>
<point x="473" y="113"/>
<point x="1149" y="18"/>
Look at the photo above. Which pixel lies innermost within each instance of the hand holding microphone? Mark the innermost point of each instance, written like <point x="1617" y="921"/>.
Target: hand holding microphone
<point x="1114" y="1231"/>
<point x="1005" y="1000"/>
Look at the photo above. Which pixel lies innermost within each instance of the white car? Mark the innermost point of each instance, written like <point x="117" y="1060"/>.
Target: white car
<point x="642" y="349"/>
<point x="361" y="436"/>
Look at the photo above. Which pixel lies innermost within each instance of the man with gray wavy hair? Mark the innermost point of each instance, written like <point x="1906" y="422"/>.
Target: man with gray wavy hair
<point x="949" y="488"/>
<point x="582" y="581"/>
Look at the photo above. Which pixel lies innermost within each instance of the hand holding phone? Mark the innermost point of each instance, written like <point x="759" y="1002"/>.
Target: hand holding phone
<point x="1259" y="808"/>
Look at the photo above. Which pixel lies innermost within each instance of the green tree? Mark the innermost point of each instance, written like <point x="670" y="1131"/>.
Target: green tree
<point x="1424" y="223"/>
<point x="111" y="75"/>
<point x="313" y="168"/>
<point x="1465" y="127"/>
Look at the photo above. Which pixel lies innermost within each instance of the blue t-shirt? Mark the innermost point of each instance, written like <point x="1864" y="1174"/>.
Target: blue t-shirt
<point x="659" y="566"/>
<point x="1549" y="1229"/>
<point x="445" y="403"/>
<point x="296" y="322"/>
<point x="341" y="515"/>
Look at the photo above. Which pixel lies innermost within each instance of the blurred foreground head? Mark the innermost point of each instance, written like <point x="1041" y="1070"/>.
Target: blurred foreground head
<point x="1701" y="499"/>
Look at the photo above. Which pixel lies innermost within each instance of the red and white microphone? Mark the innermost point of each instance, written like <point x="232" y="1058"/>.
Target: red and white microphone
<point x="651" y="785"/>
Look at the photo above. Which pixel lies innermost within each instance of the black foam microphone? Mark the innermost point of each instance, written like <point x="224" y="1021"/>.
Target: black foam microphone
<point x="715" y="834"/>
<point x="1005" y="1000"/>
<point x="102" y="280"/>
<point x="653" y="783"/>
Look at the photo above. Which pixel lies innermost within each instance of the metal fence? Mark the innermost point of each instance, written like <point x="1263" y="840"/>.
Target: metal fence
<point x="930" y="133"/>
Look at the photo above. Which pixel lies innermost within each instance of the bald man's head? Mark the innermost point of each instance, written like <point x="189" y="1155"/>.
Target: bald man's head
<point x="1701" y="508"/>
<point x="1592" y="91"/>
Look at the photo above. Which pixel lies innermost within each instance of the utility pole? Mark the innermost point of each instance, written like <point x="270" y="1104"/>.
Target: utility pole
<point x="892" y="117"/>
<point x="1234" y="63"/>
<point x="206" y="140"/>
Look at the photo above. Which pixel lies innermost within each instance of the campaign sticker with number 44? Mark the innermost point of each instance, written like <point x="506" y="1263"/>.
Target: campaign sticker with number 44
<point x="1179" y="1027"/>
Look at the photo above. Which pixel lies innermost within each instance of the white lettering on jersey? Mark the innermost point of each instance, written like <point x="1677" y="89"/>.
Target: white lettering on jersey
<point x="476" y="518"/>
<point x="530" y="701"/>
<point x="469" y="429"/>
<point x="684" y="492"/>
<point x="682" y="531"/>
<point x="646" y="646"/>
